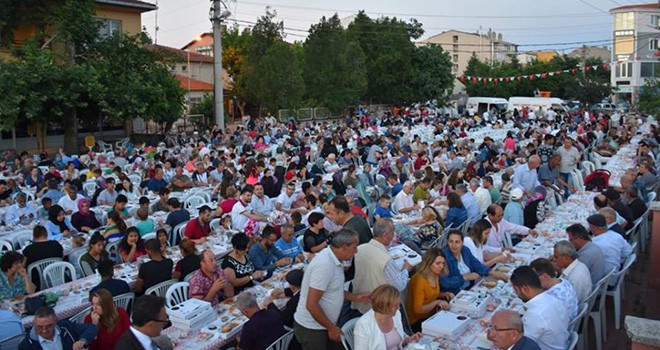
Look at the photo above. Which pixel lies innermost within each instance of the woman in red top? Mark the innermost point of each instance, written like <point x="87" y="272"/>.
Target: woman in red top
<point x="111" y="321"/>
<point x="131" y="246"/>
<point x="422" y="160"/>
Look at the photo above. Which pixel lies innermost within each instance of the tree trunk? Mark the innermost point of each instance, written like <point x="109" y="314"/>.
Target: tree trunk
<point x="71" y="120"/>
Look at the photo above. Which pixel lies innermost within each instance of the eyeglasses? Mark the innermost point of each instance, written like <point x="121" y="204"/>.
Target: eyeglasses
<point x="160" y="321"/>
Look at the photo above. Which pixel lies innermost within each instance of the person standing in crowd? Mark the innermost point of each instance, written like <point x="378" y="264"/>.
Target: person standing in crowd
<point x="374" y="266"/>
<point x="525" y="176"/>
<point x="570" y="157"/>
<point x="322" y="294"/>
<point x="339" y="212"/>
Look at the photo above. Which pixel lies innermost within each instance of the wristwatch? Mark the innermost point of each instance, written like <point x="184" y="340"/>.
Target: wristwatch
<point x="251" y="279"/>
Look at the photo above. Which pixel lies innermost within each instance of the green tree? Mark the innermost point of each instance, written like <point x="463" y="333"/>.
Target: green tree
<point x="432" y="78"/>
<point x="280" y="82"/>
<point x="649" y="97"/>
<point x="389" y="50"/>
<point x="333" y="66"/>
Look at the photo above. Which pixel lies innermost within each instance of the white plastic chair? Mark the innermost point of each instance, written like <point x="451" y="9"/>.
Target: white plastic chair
<point x="124" y="301"/>
<point x="597" y="312"/>
<point x="55" y="274"/>
<point x="589" y="167"/>
<point x="40" y="266"/>
<point x="177" y="293"/>
<point x="177" y="233"/>
<point x="215" y="223"/>
<point x="85" y="268"/>
<point x="573" y="340"/>
<point x="282" y="343"/>
<point x="160" y="289"/>
<point x="21" y="239"/>
<point x="90" y="187"/>
<point x="347" y="338"/>
<point x="150" y="235"/>
<point x="189" y="276"/>
<point x="114" y="246"/>
<point x="5" y="246"/>
<point x="507" y="241"/>
<point x="135" y="178"/>
<point x="104" y="147"/>
<point x="617" y="292"/>
<point x="573" y="326"/>
<point x="578" y="182"/>
<point x="193" y="201"/>
<point x="80" y="317"/>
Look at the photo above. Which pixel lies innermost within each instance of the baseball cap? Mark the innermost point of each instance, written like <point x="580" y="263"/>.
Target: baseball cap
<point x="516" y="194"/>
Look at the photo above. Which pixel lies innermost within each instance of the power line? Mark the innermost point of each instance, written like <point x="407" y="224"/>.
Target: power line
<point x="594" y="7"/>
<point x="573" y="15"/>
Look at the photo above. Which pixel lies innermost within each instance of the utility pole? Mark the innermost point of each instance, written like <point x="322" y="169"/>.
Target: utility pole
<point x="217" y="15"/>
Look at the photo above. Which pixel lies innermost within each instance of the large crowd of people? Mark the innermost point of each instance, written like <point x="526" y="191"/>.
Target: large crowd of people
<point x="334" y="195"/>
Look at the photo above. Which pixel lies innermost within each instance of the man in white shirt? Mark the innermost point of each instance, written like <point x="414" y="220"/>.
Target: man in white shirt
<point x="615" y="248"/>
<point x="330" y="165"/>
<point x="572" y="269"/>
<point x="495" y="215"/>
<point x="481" y="194"/>
<point x="542" y="322"/>
<point x="322" y="294"/>
<point x="260" y="203"/>
<point x="149" y="317"/>
<point x="403" y="201"/>
<point x="241" y="212"/>
<point x="285" y="201"/>
<point x="70" y="202"/>
<point x="20" y="212"/>
<point x="525" y="176"/>
<point x="557" y="287"/>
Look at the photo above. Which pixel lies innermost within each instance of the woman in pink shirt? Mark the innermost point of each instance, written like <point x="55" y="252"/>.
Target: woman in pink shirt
<point x="509" y="142"/>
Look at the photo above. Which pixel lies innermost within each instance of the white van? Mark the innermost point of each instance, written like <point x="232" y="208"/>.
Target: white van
<point x="479" y="105"/>
<point x="534" y="103"/>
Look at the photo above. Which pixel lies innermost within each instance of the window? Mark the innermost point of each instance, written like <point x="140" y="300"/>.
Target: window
<point x="184" y="68"/>
<point x="109" y="27"/>
<point x="454" y="68"/>
<point x="655" y="20"/>
<point x="455" y="58"/>
<point x="650" y="69"/>
<point x="623" y="45"/>
<point x="455" y="38"/>
<point x="623" y="21"/>
<point x="653" y="44"/>
<point x="623" y="70"/>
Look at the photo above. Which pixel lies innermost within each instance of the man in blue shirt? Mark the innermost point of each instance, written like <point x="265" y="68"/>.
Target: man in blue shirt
<point x="177" y="214"/>
<point x="265" y="256"/>
<point x="289" y="246"/>
<point x="157" y="182"/>
<point x="395" y="185"/>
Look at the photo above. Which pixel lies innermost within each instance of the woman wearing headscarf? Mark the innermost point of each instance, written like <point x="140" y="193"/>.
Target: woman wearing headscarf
<point x="58" y="224"/>
<point x="84" y="219"/>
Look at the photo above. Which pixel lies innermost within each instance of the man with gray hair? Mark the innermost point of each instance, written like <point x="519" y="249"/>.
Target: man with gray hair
<point x="374" y="266"/>
<point x="566" y="261"/>
<point x="635" y="204"/>
<point x="481" y="194"/>
<point x="469" y="202"/>
<point x="20" y="212"/>
<point x="612" y="225"/>
<point x="263" y="328"/>
<point x="403" y="201"/>
<point x="506" y="331"/>
<point x="322" y="294"/>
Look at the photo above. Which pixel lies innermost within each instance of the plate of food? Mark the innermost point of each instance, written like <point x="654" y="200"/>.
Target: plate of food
<point x="230" y="326"/>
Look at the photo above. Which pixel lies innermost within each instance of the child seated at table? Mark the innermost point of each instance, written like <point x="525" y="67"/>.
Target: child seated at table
<point x="296" y="220"/>
<point x="46" y="203"/>
<point x="161" y="235"/>
<point x="382" y="209"/>
<point x="144" y="224"/>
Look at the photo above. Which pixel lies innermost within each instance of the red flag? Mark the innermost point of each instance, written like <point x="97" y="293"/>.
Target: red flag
<point x="474" y="79"/>
<point x="587" y="68"/>
<point x="544" y="75"/>
<point x="519" y="78"/>
<point x="573" y="71"/>
<point x="506" y="79"/>
<point x="462" y="79"/>
<point x="557" y="72"/>
<point x="605" y="65"/>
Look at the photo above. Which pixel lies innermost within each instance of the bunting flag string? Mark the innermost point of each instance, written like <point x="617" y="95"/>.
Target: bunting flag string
<point x="519" y="78"/>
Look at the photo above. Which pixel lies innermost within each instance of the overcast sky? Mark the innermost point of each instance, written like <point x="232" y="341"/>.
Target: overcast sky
<point x="557" y="24"/>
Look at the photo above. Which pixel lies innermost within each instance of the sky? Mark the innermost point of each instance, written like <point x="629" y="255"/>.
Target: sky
<point x="562" y="25"/>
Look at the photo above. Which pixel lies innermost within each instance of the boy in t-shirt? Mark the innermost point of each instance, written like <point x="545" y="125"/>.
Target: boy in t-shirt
<point x="296" y="220"/>
<point x="383" y="208"/>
